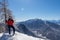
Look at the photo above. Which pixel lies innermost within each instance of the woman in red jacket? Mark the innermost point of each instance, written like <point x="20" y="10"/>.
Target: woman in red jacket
<point x="10" y="23"/>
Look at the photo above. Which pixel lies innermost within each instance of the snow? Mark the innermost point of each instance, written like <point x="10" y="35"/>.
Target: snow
<point x="19" y="36"/>
<point x="1" y="34"/>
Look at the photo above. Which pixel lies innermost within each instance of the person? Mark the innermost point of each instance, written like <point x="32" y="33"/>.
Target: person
<point x="10" y="23"/>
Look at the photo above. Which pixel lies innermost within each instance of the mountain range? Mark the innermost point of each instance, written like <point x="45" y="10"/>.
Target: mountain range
<point x="40" y="28"/>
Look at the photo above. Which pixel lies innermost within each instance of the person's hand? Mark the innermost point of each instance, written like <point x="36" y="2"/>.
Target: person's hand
<point x="5" y="20"/>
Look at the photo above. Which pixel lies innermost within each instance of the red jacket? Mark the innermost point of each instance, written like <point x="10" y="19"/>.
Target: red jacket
<point x="10" y="22"/>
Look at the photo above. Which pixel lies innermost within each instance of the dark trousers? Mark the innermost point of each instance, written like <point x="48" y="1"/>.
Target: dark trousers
<point x="9" y="28"/>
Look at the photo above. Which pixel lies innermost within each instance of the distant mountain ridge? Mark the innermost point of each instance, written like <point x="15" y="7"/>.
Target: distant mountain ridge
<point x="48" y="29"/>
<point x="55" y="21"/>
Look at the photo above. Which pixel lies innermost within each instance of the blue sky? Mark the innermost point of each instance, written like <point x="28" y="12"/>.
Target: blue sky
<point x="31" y="9"/>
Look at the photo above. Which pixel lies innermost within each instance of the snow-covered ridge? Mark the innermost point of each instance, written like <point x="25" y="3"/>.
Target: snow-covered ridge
<point x="19" y="36"/>
<point x="39" y="27"/>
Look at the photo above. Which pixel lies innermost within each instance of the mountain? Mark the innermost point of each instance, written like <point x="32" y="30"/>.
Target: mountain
<point x="41" y="28"/>
<point x="55" y="21"/>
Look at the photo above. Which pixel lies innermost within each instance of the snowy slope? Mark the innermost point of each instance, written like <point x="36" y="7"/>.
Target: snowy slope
<point x="1" y="34"/>
<point x="19" y="36"/>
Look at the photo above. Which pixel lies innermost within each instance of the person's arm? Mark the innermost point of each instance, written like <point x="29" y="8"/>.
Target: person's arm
<point x="6" y="21"/>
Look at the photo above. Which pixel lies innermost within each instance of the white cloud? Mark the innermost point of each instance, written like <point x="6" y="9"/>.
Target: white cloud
<point x="20" y="19"/>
